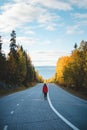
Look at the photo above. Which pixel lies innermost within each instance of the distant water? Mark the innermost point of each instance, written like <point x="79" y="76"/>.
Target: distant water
<point x="46" y="71"/>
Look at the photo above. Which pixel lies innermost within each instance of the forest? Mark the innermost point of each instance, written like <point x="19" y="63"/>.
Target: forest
<point x="16" y="68"/>
<point x="71" y="71"/>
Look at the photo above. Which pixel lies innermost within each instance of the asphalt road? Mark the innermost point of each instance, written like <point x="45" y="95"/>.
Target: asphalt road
<point x="27" y="110"/>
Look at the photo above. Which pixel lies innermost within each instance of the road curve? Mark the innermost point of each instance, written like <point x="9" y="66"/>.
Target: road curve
<point x="27" y="110"/>
<point x="69" y="106"/>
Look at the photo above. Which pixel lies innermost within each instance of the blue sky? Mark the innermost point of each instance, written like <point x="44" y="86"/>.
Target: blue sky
<point x="47" y="29"/>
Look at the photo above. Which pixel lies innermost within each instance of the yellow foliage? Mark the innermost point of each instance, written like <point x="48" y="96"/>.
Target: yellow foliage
<point x="61" y="63"/>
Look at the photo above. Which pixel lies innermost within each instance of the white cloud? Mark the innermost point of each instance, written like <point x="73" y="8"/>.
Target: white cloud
<point x="75" y="29"/>
<point x="14" y="15"/>
<point x="79" y="3"/>
<point x="58" y="4"/>
<point x="30" y="32"/>
<point x="71" y="29"/>
<point x="48" y="17"/>
<point x="50" y="28"/>
<point x="5" y="45"/>
<point x="43" y="58"/>
<point x="48" y="20"/>
<point x="26" y="41"/>
<point x="83" y="23"/>
<point x="80" y="15"/>
<point x="80" y="22"/>
<point x="46" y="57"/>
<point x="48" y="42"/>
<point x="54" y="4"/>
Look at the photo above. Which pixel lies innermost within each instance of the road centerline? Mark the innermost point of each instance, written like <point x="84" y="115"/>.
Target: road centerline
<point x="59" y="115"/>
<point x="5" y="127"/>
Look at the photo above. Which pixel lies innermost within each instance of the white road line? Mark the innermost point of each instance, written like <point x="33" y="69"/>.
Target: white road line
<point x="5" y="127"/>
<point x="59" y="115"/>
<point x="12" y="112"/>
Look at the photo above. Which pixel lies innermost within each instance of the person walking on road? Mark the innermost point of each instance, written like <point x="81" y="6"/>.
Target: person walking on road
<point x="45" y="91"/>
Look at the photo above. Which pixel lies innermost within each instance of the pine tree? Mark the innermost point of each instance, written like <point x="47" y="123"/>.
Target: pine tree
<point x="75" y="46"/>
<point x="0" y="44"/>
<point x="12" y="59"/>
<point x="2" y="63"/>
<point x="13" y="45"/>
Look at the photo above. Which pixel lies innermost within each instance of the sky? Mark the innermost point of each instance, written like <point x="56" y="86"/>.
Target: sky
<point x="47" y="29"/>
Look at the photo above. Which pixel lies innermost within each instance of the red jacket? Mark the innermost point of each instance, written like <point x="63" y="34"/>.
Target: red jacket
<point x="45" y="89"/>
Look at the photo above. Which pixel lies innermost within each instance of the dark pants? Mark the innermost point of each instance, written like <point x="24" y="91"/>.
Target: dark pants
<point x="45" y="95"/>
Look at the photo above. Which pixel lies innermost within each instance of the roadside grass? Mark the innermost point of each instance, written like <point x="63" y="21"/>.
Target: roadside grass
<point x="81" y="93"/>
<point x="8" y="91"/>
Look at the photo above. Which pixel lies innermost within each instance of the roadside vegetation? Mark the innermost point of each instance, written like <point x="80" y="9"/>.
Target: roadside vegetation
<point x="71" y="71"/>
<point x="16" y="69"/>
<point x="18" y="73"/>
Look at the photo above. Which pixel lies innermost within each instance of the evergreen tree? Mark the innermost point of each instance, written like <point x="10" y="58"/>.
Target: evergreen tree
<point x="12" y="61"/>
<point x="75" y="46"/>
<point x="0" y="44"/>
<point x="17" y="68"/>
<point x="13" y="45"/>
<point x="2" y="63"/>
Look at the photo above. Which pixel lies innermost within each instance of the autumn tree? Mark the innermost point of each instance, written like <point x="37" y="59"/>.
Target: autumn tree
<point x="39" y="78"/>
<point x="76" y="71"/>
<point x="83" y="61"/>
<point x="21" y="69"/>
<point x="61" y="63"/>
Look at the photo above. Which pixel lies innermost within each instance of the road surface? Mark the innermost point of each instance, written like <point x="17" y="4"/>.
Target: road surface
<point x="27" y="110"/>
